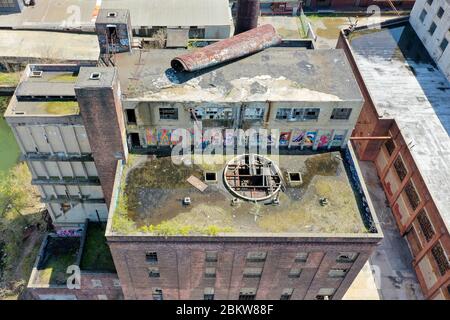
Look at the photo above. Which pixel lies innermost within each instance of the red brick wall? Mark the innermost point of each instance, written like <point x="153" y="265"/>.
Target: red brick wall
<point x="182" y="265"/>
<point x="109" y="288"/>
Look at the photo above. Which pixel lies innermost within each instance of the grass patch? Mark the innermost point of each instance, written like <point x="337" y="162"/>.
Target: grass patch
<point x="61" y="107"/>
<point x="4" y="101"/>
<point x="59" y="254"/>
<point x="9" y="78"/>
<point x="96" y="254"/>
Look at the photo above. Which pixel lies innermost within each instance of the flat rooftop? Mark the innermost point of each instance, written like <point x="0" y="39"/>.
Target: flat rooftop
<point x="275" y="74"/>
<point x="406" y="85"/>
<point x="153" y="189"/>
<point x="46" y="90"/>
<point x="48" y="45"/>
<point x="174" y="13"/>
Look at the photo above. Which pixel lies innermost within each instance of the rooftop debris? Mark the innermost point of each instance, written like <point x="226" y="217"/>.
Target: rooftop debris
<point x="235" y="47"/>
<point x="197" y="183"/>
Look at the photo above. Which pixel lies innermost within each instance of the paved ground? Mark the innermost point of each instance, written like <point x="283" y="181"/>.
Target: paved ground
<point x="327" y="28"/>
<point x="391" y="262"/>
<point x="287" y="27"/>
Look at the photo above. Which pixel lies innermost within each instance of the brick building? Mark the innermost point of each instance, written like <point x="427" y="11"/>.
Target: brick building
<point x="406" y="97"/>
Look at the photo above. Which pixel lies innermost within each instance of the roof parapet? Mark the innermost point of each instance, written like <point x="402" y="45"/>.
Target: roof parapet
<point x="232" y="48"/>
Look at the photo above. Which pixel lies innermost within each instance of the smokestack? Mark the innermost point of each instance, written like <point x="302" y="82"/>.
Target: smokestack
<point x="247" y="15"/>
<point x="229" y="49"/>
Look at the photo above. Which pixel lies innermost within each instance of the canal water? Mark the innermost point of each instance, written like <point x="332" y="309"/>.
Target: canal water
<point x="9" y="150"/>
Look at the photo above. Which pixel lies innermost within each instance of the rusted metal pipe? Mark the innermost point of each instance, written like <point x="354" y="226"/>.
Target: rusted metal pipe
<point x="247" y="15"/>
<point x="371" y="138"/>
<point x="235" y="47"/>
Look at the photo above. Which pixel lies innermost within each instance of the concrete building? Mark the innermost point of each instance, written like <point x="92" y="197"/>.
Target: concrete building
<point x="431" y="21"/>
<point x="70" y="169"/>
<point x="210" y="19"/>
<point x="316" y="112"/>
<point x="113" y="28"/>
<point x="406" y="107"/>
<point x="11" y="6"/>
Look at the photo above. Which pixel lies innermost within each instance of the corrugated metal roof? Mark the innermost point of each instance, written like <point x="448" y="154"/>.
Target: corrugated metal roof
<point x="173" y="12"/>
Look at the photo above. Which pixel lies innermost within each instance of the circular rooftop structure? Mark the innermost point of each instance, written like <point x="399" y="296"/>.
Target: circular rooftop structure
<point x="252" y="177"/>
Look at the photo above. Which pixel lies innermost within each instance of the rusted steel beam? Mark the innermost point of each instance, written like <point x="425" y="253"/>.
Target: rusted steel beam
<point x="247" y="15"/>
<point x="232" y="48"/>
<point x="371" y="138"/>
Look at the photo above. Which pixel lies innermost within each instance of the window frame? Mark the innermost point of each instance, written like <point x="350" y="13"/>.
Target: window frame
<point x="164" y="115"/>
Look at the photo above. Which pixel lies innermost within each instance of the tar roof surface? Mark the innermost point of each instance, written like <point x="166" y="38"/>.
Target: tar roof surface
<point x="174" y="12"/>
<point x="152" y="190"/>
<point x="275" y="74"/>
<point x="405" y="84"/>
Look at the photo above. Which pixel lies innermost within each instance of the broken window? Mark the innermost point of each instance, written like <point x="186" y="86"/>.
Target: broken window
<point x="252" y="272"/>
<point x="341" y="113"/>
<point x="422" y="16"/>
<point x="325" y="294"/>
<point x="157" y="294"/>
<point x="297" y="114"/>
<point x="168" y="113"/>
<point x="443" y="45"/>
<point x="247" y="294"/>
<point x="131" y="116"/>
<point x="208" y="294"/>
<point x="287" y="294"/>
<point x="425" y="225"/>
<point x="400" y="168"/>
<point x="347" y="256"/>
<point x="196" y="33"/>
<point x="390" y="146"/>
<point x="432" y="28"/>
<point x="151" y="257"/>
<point x="441" y="259"/>
<point x="337" y="273"/>
<point x="294" y="273"/>
<point x="211" y="256"/>
<point x="254" y="113"/>
<point x="301" y="257"/>
<point x="256" y="256"/>
<point x="412" y="195"/>
<point x="210" y="272"/>
<point x="153" y="272"/>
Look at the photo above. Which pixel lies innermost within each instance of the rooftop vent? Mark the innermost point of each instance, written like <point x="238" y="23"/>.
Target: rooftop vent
<point x="210" y="176"/>
<point x="36" y="74"/>
<point x="95" y="76"/>
<point x="295" y="177"/>
<point x="112" y="14"/>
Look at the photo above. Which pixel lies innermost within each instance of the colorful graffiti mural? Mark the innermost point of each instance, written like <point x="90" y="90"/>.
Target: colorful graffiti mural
<point x="164" y="137"/>
<point x="324" y="139"/>
<point x="309" y="139"/>
<point x="151" y="136"/>
<point x="297" y="137"/>
<point x="338" y="139"/>
<point x="284" y="138"/>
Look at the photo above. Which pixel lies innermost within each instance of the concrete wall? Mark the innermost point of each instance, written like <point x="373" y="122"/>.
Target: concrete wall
<point x="181" y="263"/>
<point x="433" y="41"/>
<point x="323" y="132"/>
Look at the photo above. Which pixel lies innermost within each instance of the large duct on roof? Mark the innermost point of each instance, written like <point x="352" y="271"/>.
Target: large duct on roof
<point x="247" y="15"/>
<point x="232" y="48"/>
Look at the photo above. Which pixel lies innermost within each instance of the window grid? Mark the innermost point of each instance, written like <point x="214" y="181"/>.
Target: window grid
<point x="425" y="225"/>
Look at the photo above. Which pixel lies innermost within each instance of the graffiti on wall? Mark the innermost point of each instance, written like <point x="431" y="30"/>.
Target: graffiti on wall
<point x="284" y="138"/>
<point x="297" y="137"/>
<point x="324" y="139"/>
<point x="151" y="136"/>
<point x="309" y="139"/>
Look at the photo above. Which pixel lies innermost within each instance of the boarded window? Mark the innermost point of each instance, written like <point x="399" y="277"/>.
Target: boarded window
<point x="425" y="225"/>
<point x="441" y="259"/>
<point x="400" y="168"/>
<point x="412" y="195"/>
